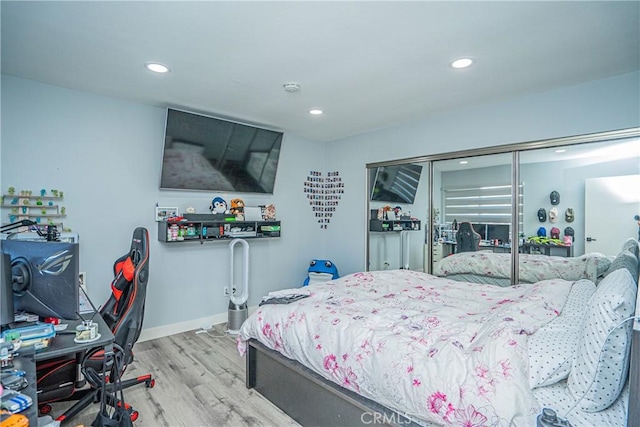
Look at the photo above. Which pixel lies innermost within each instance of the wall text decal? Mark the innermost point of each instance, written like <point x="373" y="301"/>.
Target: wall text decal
<point x="323" y="194"/>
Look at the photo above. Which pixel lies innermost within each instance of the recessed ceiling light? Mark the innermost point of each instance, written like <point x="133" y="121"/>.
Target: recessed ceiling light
<point x="316" y="112"/>
<point x="157" y="67"/>
<point x="462" y="62"/>
<point x="561" y="150"/>
<point x="463" y="162"/>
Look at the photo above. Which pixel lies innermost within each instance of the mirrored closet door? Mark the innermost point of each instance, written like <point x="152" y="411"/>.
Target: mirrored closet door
<point x="473" y="203"/>
<point x="575" y="195"/>
<point x="398" y="200"/>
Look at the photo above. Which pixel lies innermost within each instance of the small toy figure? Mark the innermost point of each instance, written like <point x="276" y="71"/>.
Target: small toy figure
<point x="12" y="191"/>
<point x="43" y="192"/>
<point x="237" y="207"/>
<point x="320" y="271"/>
<point x="218" y="206"/>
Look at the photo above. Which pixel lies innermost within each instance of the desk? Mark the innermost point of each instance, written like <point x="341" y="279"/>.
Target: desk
<point x="558" y="250"/>
<point x="450" y="248"/>
<point x="62" y="344"/>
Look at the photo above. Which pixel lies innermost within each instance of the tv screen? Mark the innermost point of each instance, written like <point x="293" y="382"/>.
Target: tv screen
<point x="44" y="277"/>
<point x="396" y="184"/>
<point x="209" y="154"/>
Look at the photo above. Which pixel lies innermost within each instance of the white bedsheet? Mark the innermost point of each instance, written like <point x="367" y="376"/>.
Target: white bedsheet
<point x="189" y="169"/>
<point x="533" y="268"/>
<point x="437" y="350"/>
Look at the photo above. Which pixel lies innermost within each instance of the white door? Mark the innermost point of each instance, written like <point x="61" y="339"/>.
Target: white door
<point x="610" y="206"/>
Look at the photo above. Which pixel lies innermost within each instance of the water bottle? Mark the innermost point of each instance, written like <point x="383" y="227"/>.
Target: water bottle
<point x="549" y="418"/>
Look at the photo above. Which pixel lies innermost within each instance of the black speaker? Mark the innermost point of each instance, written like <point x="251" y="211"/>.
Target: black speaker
<point x="6" y="291"/>
<point x="44" y="277"/>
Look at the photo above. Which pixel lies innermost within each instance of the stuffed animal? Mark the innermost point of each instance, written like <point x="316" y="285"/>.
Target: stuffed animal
<point x="320" y="271"/>
<point x="237" y="207"/>
<point x="218" y="206"/>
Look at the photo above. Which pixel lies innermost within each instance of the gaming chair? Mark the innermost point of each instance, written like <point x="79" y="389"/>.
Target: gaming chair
<point x="467" y="239"/>
<point x="123" y="313"/>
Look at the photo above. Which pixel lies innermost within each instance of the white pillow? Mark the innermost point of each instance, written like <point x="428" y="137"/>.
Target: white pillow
<point x="552" y="347"/>
<point x="600" y="364"/>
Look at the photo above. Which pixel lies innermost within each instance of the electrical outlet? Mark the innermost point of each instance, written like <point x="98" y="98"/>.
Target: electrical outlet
<point x="225" y="291"/>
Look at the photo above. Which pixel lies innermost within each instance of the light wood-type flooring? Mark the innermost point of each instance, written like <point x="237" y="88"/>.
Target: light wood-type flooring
<point x="200" y="381"/>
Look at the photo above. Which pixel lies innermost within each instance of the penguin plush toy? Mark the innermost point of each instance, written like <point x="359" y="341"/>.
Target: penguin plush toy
<point x="320" y="271"/>
<point x="218" y="206"/>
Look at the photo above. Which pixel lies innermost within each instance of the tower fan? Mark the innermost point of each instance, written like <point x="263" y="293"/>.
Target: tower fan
<point x="238" y="309"/>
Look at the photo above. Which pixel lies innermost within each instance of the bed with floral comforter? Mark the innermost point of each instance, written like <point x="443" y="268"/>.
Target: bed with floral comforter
<point x="437" y="350"/>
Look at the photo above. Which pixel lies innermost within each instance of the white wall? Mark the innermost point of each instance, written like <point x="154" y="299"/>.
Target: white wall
<point x="598" y="106"/>
<point x="105" y="154"/>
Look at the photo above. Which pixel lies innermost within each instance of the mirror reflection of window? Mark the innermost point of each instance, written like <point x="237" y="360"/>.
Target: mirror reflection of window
<point x="473" y="197"/>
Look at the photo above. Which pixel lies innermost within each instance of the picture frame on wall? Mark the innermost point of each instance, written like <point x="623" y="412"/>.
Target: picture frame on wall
<point x="163" y="213"/>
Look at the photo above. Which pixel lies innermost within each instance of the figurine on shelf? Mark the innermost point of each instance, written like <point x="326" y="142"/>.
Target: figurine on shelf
<point x="11" y="191"/>
<point x="43" y="192"/>
<point x="14" y="201"/>
<point x="50" y="203"/>
<point x="61" y="194"/>
<point x="44" y="211"/>
<point x="39" y="202"/>
<point x="63" y="210"/>
<point x="38" y="219"/>
<point x="55" y="193"/>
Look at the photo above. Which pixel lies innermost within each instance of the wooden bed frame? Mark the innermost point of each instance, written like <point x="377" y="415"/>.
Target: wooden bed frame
<point x="307" y="397"/>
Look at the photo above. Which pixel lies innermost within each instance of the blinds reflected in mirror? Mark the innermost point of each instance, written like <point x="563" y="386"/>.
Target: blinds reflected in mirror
<point x="488" y="205"/>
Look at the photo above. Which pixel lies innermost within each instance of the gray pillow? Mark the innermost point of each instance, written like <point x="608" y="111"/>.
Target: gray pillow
<point x="632" y="246"/>
<point x="627" y="260"/>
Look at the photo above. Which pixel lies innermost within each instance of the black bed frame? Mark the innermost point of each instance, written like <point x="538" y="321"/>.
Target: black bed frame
<point x="314" y="401"/>
<point x="310" y="399"/>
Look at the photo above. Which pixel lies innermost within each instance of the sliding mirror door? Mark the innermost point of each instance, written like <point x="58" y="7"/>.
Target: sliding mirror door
<point x="398" y="200"/>
<point x="581" y="198"/>
<point x="472" y="199"/>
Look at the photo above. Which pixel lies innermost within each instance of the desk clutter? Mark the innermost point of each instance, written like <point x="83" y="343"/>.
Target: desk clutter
<point x="60" y="348"/>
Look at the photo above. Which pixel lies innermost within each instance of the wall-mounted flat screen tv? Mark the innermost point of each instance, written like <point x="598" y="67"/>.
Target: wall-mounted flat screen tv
<point x="209" y="154"/>
<point x="395" y="184"/>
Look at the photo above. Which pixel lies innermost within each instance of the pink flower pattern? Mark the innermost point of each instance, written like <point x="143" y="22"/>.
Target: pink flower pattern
<point x="415" y="334"/>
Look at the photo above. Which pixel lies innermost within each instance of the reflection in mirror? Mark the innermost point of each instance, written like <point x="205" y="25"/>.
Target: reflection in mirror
<point x="582" y="195"/>
<point x="472" y="206"/>
<point x="398" y="199"/>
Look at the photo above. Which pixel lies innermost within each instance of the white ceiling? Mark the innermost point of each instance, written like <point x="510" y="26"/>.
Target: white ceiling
<point x="368" y="65"/>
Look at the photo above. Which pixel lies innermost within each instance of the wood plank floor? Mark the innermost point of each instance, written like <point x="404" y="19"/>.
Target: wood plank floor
<point x="200" y="381"/>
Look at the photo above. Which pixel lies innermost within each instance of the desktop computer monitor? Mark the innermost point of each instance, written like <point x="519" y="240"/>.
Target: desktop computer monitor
<point x="44" y="277"/>
<point x="498" y="232"/>
<point x="481" y="229"/>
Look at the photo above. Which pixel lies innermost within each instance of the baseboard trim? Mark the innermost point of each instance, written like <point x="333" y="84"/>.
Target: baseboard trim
<point x="189" y="325"/>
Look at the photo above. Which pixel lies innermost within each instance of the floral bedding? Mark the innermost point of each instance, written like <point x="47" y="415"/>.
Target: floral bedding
<point x="533" y="268"/>
<point x="437" y="350"/>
